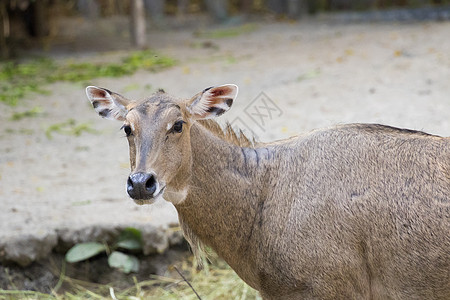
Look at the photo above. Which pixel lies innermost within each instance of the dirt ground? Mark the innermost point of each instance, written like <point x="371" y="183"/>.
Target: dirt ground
<point x="293" y="77"/>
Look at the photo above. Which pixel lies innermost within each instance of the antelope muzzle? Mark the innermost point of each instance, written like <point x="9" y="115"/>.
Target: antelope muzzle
<point x="142" y="186"/>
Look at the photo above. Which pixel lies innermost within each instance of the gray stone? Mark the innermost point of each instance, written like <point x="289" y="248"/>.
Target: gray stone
<point x="154" y="240"/>
<point x="24" y="249"/>
<point x="67" y="237"/>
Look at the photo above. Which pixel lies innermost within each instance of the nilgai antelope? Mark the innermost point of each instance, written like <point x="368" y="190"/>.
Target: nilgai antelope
<point x="355" y="211"/>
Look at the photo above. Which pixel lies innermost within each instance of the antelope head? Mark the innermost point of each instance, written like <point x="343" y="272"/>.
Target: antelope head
<point x="158" y="133"/>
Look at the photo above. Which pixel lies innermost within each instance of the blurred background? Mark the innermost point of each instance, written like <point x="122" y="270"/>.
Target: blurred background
<point x="299" y="65"/>
<point x="28" y="23"/>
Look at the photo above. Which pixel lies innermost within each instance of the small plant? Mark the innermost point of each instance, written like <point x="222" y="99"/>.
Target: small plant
<point x="19" y="79"/>
<point x="34" y="112"/>
<point x="129" y="239"/>
<point x="69" y="127"/>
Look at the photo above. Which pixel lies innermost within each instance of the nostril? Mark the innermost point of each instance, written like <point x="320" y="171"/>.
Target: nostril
<point x="150" y="184"/>
<point x="130" y="187"/>
<point x="141" y="185"/>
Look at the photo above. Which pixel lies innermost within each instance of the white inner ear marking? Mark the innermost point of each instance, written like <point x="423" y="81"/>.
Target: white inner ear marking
<point x="169" y="125"/>
<point x="132" y="126"/>
<point x="223" y="106"/>
<point x="197" y="107"/>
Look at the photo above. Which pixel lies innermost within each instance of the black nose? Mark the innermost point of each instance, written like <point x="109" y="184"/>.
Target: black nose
<point x="141" y="186"/>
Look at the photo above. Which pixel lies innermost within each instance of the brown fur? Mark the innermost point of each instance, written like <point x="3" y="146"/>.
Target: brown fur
<point x="355" y="211"/>
<point x="228" y="134"/>
<point x="345" y="234"/>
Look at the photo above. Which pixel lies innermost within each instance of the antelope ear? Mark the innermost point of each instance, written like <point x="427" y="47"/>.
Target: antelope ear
<point x="212" y="102"/>
<point x="108" y="104"/>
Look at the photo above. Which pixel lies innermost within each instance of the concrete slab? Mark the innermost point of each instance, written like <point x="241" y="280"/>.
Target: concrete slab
<point x="66" y="189"/>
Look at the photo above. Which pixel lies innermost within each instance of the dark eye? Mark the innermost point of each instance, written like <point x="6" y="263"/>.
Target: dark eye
<point x="127" y="130"/>
<point x="178" y="126"/>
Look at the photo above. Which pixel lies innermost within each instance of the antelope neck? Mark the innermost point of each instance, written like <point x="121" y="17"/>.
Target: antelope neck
<point x="226" y="192"/>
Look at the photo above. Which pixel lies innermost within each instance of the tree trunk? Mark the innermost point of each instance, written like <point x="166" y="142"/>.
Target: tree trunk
<point x="41" y="22"/>
<point x="297" y="8"/>
<point x="137" y="22"/>
<point x="4" y="28"/>
<point x="293" y="8"/>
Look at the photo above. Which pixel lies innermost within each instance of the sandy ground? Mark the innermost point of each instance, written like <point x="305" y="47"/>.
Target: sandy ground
<point x="312" y="74"/>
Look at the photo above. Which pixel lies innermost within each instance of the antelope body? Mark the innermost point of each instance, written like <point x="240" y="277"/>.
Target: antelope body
<point x="352" y="212"/>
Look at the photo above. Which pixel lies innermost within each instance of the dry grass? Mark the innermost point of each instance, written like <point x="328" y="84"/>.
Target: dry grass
<point x="215" y="281"/>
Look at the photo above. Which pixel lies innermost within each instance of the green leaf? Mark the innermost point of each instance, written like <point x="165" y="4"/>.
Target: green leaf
<point x="124" y="262"/>
<point x="130" y="238"/>
<point x="84" y="251"/>
<point x="130" y="244"/>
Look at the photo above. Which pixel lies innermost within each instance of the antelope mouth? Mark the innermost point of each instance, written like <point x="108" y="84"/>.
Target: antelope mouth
<point x="152" y="199"/>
